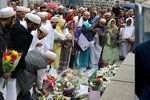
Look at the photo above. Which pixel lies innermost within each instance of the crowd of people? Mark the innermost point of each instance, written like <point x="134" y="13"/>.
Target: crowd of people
<point x="61" y="37"/>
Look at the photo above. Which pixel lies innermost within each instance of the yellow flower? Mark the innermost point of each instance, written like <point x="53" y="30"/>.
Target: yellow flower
<point x="8" y="58"/>
<point x="15" y="53"/>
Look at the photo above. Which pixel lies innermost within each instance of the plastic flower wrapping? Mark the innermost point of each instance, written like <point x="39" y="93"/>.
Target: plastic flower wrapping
<point x="10" y="61"/>
<point x="100" y="79"/>
<point x="67" y="83"/>
<point x="49" y="83"/>
<point x="71" y="83"/>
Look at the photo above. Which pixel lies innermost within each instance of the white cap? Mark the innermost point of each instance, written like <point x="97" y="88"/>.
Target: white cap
<point x="42" y="14"/>
<point x="45" y="3"/>
<point x="45" y="13"/>
<point x="44" y="29"/>
<point x="70" y="10"/>
<point x="50" y="55"/>
<point x="107" y="14"/>
<point x="87" y="13"/>
<point x="33" y="11"/>
<point x="20" y="8"/>
<point x="54" y="19"/>
<point x="34" y="18"/>
<point x="28" y="10"/>
<point x="103" y="20"/>
<point x="7" y="12"/>
<point x="60" y="6"/>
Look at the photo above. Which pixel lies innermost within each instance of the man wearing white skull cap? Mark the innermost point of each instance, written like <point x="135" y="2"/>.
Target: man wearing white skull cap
<point x="21" y="39"/>
<point x="7" y="18"/>
<point x="20" y="12"/>
<point x="38" y="39"/>
<point x="44" y="16"/>
<point x="49" y="40"/>
<point x="36" y="63"/>
<point x="60" y="12"/>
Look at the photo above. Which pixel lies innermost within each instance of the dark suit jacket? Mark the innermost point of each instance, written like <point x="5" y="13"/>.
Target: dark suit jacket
<point x="4" y="34"/>
<point x="142" y="71"/>
<point x="20" y="39"/>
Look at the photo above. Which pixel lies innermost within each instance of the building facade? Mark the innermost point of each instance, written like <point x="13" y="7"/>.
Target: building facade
<point x="89" y="3"/>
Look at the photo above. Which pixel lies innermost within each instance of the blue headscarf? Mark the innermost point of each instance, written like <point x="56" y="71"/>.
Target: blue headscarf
<point x="87" y="25"/>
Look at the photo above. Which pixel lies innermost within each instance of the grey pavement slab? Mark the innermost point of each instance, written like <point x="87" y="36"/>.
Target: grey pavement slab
<point x="129" y="60"/>
<point x="125" y="73"/>
<point x="119" y="91"/>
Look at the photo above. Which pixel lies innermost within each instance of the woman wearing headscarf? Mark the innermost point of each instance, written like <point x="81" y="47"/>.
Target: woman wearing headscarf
<point x="57" y="42"/>
<point x="110" y="50"/>
<point x="83" y="57"/>
<point x="66" y="47"/>
<point x="69" y="17"/>
<point x="128" y="35"/>
<point x="72" y="30"/>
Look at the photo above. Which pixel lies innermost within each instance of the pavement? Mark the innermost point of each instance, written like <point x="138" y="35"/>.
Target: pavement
<point x="122" y="84"/>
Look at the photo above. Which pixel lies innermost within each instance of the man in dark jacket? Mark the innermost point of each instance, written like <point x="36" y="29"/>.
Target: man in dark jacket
<point x="142" y="71"/>
<point x="7" y="18"/>
<point x="21" y="38"/>
<point x="20" y="13"/>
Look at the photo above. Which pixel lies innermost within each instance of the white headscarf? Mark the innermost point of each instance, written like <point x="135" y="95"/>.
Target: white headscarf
<point x="129" y="31"/>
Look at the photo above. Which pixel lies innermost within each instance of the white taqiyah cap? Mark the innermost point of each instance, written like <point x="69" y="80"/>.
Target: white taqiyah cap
<point x="103" y="20"/>
<point x="50" y="55"/>
<point x="45" y="13"/>
<point x="34" y="18"/>
<point x="44" y="29"/>
<point x="60" y="6"/>
<point x="7" y="12"/>
<point x="33" y="11"/>
<point x="28" y="10"/>
<point x="42" y="14"/>
<point x="107" y="14"/>
<point x="54" y="19"/>
<point x="21" y="8"/>
<point x="70" y="10"/>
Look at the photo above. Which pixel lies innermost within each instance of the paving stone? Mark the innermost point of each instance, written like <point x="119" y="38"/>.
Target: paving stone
<point x="119" y="91"/>
<point x="125" y="73"/>
<point x="129" y="60"/>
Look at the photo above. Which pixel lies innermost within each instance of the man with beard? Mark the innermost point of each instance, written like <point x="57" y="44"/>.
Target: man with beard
<point x="20" y="13"/>
<point x="21" y="38"/>
<point x="61" y="12"/>
<point x="49" y="41"/>
<point x="7" y="18"/>
<point x="84" y="18"/>
<point x="93" y="17"/>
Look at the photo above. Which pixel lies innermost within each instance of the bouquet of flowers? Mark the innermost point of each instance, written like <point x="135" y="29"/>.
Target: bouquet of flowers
<point x="49" y="82"/>
<point x="48" y="86"/>
<point x="9" y="62"/>
<point x="66" y="86"/>
<point x="95" y="81"/>
<point x="101" y="78"/>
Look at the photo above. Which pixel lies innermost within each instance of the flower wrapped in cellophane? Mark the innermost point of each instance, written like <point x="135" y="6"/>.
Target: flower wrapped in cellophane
<point x="49" y="82"/>
<point x="10" y="61"/>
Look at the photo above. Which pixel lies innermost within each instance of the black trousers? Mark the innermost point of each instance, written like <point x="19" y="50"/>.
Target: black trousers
<point x="1" y="96"/>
